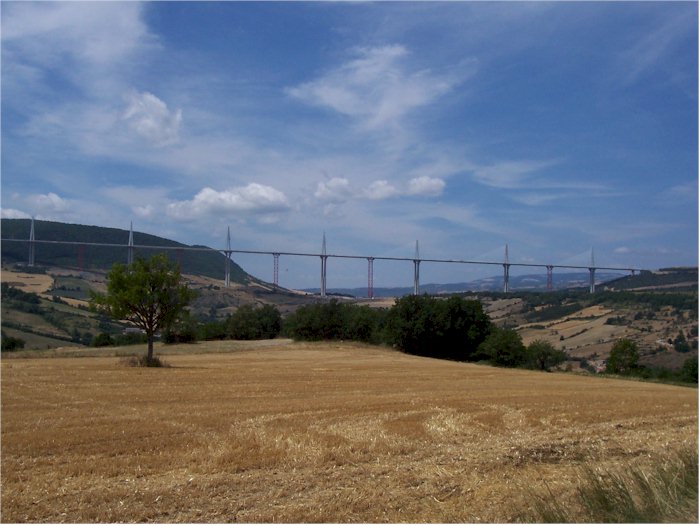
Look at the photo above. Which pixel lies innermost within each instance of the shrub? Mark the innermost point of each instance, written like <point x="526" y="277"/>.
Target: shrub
<point x="335" y="320"/>
<point x="448" y="329"/>
<point x="624" y="357"/>
<point x="249" y="323"/>
<point x="144" y="361"/>
<point x="689" y="372"/>
<point x="10" y="344"/>
<point x="103" y="339"/>
<point x="504" y="347"/>
<point x="183" y="330"/>
<point x="541" y="355"/>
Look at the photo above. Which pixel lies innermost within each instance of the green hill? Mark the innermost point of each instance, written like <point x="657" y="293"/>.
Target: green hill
<point x="209" y="264"/>
<point x="680" y="278"/>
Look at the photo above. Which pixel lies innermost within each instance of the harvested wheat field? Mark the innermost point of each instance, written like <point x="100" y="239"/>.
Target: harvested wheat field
<point x="314" y="433"/>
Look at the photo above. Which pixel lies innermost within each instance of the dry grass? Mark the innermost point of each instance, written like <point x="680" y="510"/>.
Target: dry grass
<point x="314" y="433"/>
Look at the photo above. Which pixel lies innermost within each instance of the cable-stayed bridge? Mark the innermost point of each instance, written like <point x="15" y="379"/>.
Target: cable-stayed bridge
<point x="323" y="255"/>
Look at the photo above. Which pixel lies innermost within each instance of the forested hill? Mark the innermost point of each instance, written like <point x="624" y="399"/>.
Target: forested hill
<point x="210" y="264"/>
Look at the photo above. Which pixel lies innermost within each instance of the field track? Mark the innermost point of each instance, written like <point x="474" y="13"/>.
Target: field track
<point x="314" y="432"/>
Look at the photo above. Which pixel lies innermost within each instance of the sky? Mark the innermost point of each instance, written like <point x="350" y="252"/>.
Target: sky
<point x="552" y="128"/>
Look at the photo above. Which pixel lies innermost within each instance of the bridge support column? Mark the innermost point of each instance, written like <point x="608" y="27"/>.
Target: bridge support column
<point x="32" y="244"/>
<point x="592" y="282"/>
<point x="130" y="247"/>
<point x="370" y="277"/>
<point x="324" y="261"/>
<point x="416" y="276"/>
<point x="324" y="266"/>
<point x="276" y="270"/>
<point x="506" y="272"/>
<point x="227" y="264"/>
<point x="550" y="282"/>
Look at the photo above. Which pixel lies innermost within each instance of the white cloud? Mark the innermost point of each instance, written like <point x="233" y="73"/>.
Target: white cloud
<point x="97" y="32"/>
<point x="622" y="250"/>
<point x="150" y="117"/>
<point x="426" y="186"/>
<point x="381" y="189"/>
<point x="144" y="212"/>
<point x="377" y="87"/>
<point x="11" y="213"/>
<point x="48" y="204"/>
<point x="337" y="190"/>
<point x="253" y="198"/>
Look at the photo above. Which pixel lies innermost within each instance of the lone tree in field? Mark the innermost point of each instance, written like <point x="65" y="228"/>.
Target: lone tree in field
<point x="149" y="293"/>
<point x="624" y="357"/>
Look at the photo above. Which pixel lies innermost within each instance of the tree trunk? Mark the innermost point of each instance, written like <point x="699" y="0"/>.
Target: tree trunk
<point x="150" y="347"/>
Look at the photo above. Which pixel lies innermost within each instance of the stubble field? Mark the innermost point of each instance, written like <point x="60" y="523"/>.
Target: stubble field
<point x="314" y="432"/>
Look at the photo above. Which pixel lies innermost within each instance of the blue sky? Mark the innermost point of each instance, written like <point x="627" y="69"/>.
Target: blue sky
<point x="550" y="127"/>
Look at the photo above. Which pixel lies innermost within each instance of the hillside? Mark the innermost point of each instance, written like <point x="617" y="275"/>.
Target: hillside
<point x="208" y="264"/>
<point x="652" y="308"/>
<point x="663" y="279"/>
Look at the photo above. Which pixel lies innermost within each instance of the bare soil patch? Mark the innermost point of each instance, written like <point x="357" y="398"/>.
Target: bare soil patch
<point x="313" y="432"/>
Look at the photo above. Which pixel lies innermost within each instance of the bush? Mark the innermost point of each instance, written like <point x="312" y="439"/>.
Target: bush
<point x="10" y="344"/>
<point x="689" y="372"/>
<point x="447" y="329"/>
<point x="144" y="361"/>
<point x="624" y="357"/>
<point x="504" y="347"/>
<point x="250" y="323"/>
<point x="131" y="338"/>
<point x="335" y="320"/>
<point x="212" y="330"/>
<point x="103" y="339"/>
<point x="541" y="355"/>
<point x="183" y="330"/>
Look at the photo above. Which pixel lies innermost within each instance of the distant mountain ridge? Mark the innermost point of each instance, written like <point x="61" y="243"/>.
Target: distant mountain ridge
<point x="665" y="278"/>
<point x="534" y="282"/>
<point x="209" y="264"/>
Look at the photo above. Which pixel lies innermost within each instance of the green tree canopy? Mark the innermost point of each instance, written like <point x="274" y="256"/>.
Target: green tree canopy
<point x="448" y="329"/>
<point x="542" y="355"/>
<point x="149" y="293"/>
<point x="624" y="357"/>
<point x="249" y="323"/>
<point x="504" y="347"/>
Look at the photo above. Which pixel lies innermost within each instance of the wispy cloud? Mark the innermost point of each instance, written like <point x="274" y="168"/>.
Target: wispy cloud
<point x="112" y="31"/>
<point x="510" y="174"/>
<point x="377" y="87"/>
<point x="655" y="46"/>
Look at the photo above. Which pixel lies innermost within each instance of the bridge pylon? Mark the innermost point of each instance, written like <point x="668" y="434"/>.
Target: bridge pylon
<point x="416" y="272"/>
<point x="324" y="263"/>
<point x="32" y="244"/>
<point x="506" y="273"/>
